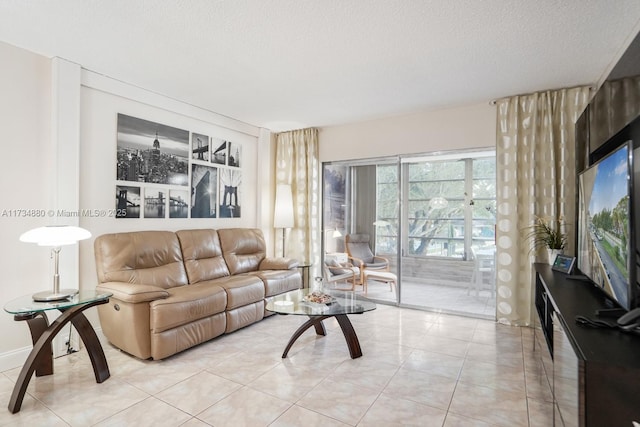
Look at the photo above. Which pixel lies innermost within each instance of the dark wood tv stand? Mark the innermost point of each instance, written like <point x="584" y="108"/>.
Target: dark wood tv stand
<point x="594" y="374"/>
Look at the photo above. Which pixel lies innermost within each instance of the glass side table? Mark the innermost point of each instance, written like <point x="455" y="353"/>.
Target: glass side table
<point x="40" y="359"/>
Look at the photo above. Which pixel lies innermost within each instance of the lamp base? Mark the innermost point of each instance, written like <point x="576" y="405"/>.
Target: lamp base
<point x="47" y="296"/>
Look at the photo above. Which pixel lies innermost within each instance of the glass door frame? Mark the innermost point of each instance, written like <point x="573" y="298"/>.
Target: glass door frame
<point x="350" y="218"/>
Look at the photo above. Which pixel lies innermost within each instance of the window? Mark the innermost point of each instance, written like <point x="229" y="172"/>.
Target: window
<point x="436" y="208"/>
<point x="449" y="205"/>
<point x="428" y="206"/>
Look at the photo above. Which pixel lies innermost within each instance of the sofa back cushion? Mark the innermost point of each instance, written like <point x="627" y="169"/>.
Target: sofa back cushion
<point x="243" y="248"/>
<point x="202" y="255"/>
<point x="142" y="257"/>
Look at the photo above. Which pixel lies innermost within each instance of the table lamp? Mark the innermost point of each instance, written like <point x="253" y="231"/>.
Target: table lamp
<point x="55" y="236"/>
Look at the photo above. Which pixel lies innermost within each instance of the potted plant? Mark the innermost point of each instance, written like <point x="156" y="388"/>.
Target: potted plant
<point x="549" y="235"/>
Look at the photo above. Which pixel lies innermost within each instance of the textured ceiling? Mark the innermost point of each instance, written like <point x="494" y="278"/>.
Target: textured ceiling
<point x="284" y="64"/>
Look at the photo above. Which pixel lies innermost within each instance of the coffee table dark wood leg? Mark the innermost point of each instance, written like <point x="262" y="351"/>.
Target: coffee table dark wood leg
<point x="320" y="329"/>
<point x="349" y="335"/>
<point x="347" y="330"/>
<point x="315" y="321"/>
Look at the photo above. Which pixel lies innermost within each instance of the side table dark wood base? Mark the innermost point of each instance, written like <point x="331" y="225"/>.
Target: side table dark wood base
<point x="40" y="359"/>
<point x="316" y="321"/>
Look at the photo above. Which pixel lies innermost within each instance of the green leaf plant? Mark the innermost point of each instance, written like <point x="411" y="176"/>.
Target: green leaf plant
<point x="546" y="234"/>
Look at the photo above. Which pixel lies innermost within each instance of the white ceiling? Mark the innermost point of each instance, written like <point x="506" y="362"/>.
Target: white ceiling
<point x="285" y="64"/>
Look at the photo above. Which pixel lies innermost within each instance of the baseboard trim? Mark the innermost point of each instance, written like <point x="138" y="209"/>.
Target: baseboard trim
<point x="15" y="358"/>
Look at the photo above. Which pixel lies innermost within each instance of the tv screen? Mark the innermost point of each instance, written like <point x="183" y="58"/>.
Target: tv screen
<point x="606" y="251"/>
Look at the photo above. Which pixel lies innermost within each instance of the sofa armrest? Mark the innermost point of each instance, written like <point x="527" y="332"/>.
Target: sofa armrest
<point x="278" y="264"/>
<point x="131" y="293"/>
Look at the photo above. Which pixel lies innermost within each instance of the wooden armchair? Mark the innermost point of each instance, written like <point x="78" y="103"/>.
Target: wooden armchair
<point x="335" y="273"/>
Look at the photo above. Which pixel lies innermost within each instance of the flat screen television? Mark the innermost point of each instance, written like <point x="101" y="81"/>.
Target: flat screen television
<point x="606" y="245"/>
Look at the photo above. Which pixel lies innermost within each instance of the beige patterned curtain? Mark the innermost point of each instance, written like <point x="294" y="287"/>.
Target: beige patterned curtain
<point x="535" y="152"/>
<point x="297" y="165"/>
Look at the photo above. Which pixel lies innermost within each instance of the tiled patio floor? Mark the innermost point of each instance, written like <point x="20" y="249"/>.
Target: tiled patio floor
<point x="433" y="297"/>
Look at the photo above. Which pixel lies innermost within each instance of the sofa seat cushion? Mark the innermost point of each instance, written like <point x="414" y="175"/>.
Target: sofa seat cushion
<point x="279" y="281"/>
<point x="278" y="264"/>
<point x="186" y="304"/>
<point x="241" y="290"/>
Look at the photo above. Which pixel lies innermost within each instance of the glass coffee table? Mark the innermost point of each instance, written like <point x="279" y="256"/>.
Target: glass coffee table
<point x="340" y="305"/>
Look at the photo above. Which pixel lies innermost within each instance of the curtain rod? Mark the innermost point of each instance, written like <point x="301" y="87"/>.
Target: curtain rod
<point x="495" y="101"/>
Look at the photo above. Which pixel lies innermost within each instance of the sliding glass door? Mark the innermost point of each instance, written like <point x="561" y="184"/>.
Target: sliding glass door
<point x="449" y="229"/>
<point x="362" y="198"/>
<point x="431" y="216"/>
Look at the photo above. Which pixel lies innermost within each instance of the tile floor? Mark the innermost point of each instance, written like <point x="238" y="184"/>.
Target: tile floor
<point x="418" y="368"/>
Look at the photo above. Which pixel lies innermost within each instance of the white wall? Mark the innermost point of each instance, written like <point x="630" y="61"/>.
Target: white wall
<point x="98" y="144"/>
<point x="25" y="111"/>
<point x="472" y="126"/>
<point x="98" y="168"/>
<point x="461" y="128"/>
<point x="28" y="171"/>
<point x="35" y="168"/>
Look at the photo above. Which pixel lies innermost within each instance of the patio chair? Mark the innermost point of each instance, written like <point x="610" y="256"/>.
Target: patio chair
<point x="335" y="273"/>
<point x="484" y="262"/>
<point x="360" y="254"/>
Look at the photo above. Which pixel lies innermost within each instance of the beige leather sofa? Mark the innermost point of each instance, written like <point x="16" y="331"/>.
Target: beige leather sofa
<point x="174" y="290"/>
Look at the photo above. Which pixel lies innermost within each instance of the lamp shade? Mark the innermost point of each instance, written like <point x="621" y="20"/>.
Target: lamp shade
<point x="55" y="235"/>
<point x="283" y="212"/>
